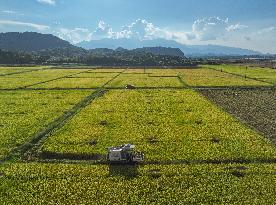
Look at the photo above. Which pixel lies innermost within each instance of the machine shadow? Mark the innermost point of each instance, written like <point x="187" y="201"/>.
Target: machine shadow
<point x="128" y="171"/>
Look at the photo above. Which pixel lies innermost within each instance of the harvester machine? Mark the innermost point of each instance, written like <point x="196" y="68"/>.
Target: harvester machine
<point x="124" y="154"/>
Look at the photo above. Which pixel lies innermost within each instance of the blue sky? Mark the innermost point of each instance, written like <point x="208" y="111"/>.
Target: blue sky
<point x="240" y="23"/>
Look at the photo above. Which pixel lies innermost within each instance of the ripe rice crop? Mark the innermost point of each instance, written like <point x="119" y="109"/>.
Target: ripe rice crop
<point x="165" y="125"/>
<point x="30" y="183"/>
<point x="23" y="113"/>
<point x="207" y="77"/>
<point x="143" y="80"/>
<point x="265" y="74"/>
<point x="74" y="83"/>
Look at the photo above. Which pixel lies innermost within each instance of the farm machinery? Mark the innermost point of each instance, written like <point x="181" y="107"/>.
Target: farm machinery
<point x="124" y="154"/>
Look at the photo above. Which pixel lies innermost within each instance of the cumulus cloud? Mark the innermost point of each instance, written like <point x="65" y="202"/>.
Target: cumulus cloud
<point x="103" y="30"/>
<point x="141" y="29"/>
<point x="212" y="28"/>
<point x="75" y="35"/>
<point x="205" y="29"/>
<point x="209" y="28"/>
<point x="25" y="24"/>
<point x="49" y="2"/>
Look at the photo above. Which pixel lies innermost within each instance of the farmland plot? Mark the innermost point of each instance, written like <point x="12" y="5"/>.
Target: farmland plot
<point x="12" y="70"/>
<point x="255" y="107"/>
<point x="162" y="72"/>
<point x="23" y="113"/>
<point x="265" y="74"/>
<point x="50" y="73"/>
<point x="168" y="125"/>
<point x="29" y="183"/>
<point x="22" y="80"/>
<point x="72" y="82"/>
<point x="107" y="70"/>
<point x="144" y="80"/>
<point x="207" y="77"/>
<point x="95" y="75"/>
<point x="195" y="153"/>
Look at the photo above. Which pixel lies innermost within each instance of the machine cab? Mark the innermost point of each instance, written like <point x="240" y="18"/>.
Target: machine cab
<point x="124" y="154"/>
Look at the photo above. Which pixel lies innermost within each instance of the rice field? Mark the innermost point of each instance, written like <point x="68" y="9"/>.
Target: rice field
<point x="204" y="141"/>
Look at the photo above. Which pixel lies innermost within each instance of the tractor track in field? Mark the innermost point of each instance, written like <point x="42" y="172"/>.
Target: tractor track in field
<point x="243" y="76"/>
<point x="59" y="122"/>
<point x="100" y="159"/>
<point x="197" y="88"/>
<point x="42" y="135"/>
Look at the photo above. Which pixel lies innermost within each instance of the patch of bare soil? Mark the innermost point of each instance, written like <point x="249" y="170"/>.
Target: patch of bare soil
<point x="257" y="108"/>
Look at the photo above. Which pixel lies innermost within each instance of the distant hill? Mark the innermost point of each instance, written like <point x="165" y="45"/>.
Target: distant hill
<point x="189" y="50"/>
<point x="161" y="51"/>
<point x="30" y="41"/>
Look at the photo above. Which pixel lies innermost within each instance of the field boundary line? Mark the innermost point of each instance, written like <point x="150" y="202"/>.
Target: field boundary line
<point x="233" y="87"/>
<point x="240" y="75"/>
<point x="239" y="119"/>
<point x="152" y="88"/>
<point x="113" y="78"/>
<point x="54" y="79"/>
<point x="39" y="137"/>
<point x="99" y="159"/>
<point x="182" y="81"/>
<point x="21" y="72"/>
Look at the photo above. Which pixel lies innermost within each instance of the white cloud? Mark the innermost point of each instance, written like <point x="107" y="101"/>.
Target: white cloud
<point x="209" y="28"/>
<point x="8" y="12"/>
<point x="205" y="29"/>
<point x="25" y="24"/>
<point x="142" y="29"/>
<point x="11" y="12"/>
<point x="235" y="27"/>
<point x="103" y="31"/>
<point x="266" y="30"/>
<point x="139" y="29"/>
<point x="50" y="2"/>
<point x="75" y="35"/>
<point x="212" y="28"/>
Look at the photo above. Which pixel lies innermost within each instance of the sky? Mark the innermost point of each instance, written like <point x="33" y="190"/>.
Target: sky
<point x="247" y="24"/>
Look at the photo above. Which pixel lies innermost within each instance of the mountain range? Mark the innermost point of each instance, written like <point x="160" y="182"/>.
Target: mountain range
<point x="33" y="42"/>
<point x="188" y="50"/>
<point x="30" y="41"/>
